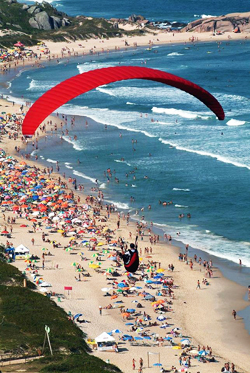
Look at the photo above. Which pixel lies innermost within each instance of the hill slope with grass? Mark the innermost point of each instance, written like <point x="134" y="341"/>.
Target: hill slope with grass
<point x="41" y="21"/>
<point x="23" y="316"/>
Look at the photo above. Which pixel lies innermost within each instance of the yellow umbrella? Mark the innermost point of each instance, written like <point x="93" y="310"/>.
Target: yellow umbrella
<point x="100" y="244"/>
<point x="160" y="270"/>
<point x="94" y="266"/>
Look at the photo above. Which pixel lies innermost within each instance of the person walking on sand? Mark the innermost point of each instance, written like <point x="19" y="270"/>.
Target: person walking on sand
<point x="141" y="363"/>
<point x="234" y="313"/>
<point x="198" y="285"/>
<point x="100" y="310"/>
<point x="133" y="364"/>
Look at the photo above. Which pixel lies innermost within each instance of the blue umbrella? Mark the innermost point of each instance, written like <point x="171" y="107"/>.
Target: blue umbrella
<point x="122" y="285"/>
<point x="116" y="331"/>
<point x="202" y="353"/>
<point x="128" y="337"/>
<point x="77" y="315"/>
<point x="138" y="338"/>
<point x="149" y="296"/>
<point x="161" y="318"/>
<point x="130" y="310"/>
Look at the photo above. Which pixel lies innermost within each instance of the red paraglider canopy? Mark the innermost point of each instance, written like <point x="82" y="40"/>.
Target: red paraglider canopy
<point x="79" y="84"/>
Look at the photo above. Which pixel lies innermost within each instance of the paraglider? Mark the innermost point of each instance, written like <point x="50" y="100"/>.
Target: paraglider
<point x="81" y="83"/>
<point x="131" y="257"/>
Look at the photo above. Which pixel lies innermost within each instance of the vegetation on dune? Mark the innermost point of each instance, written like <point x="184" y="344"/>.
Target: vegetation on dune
<point x="23" y="316"/>
<point x="15" y="25"/>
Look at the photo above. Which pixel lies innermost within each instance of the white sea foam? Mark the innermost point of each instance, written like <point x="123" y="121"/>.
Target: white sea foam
<point x="134" y="186"/>
<point x="81" y="174"/>
<point x="102" y="186"/>
<point x="209" y="242"/>
<point x="130" y="103"/>
<point x="207" y="154"/>
<point x="67" y="165"/>
<point x="120" y="205"/>
<point x="203" y="16"/>
<point x="181" y="206"/>
<point x="173" y="54"/>
<point x="51" y="160"/>
<point x="183" y="190"/>
<point x="85" y="67"/>
<point x="182" y="113"/>
<point x="75" y="144"/>
<point x="37" y="86"/>
<point x="235" y="122"/>
<point x="109" y="117"/>
<point x="41" y="157"/>
<point x="119" y="161"/>
<point x="106" y="91"/>
<point x="206" y="16"/>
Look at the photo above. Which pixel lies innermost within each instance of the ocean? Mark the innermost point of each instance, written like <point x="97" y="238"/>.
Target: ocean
<point x="160" y="10"/>
<point x="161" y="143"/>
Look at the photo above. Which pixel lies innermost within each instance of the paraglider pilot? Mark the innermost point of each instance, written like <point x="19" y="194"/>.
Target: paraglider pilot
<point x="130" y="257"/>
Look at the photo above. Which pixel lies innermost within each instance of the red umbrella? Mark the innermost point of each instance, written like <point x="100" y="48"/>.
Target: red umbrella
<point x="19" y="44"/>
<point x="4" y="232"/>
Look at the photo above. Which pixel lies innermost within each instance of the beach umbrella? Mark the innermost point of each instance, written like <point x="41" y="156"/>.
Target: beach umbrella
<point x="159" y="270"/>
<point x="184" y="340"/>
<point x="122" y="285"/>
<point x="105" y="290"/>
<point x="77" y="315"/>
<point x="161" y="318"/>
<point x="127" y="337"/>
<point x="116" y="331"/>
<point x="138" y="338"/>
<point x="203" y="353"/>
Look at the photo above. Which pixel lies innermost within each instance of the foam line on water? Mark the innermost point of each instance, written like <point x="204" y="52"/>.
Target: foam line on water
<point x="218" y="157"/>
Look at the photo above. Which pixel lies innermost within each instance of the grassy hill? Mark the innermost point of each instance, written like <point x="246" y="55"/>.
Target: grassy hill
<point x="14" y="23"/>
<point x="23" y="316"/>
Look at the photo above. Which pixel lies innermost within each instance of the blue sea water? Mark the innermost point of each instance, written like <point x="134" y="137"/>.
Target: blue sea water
<point x="181" y="10"/>
<point x="182" y="153"/>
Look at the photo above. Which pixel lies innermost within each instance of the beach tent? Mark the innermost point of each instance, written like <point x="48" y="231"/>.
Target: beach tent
<point x="21" y="250"/>
<point x="105" y="342"/>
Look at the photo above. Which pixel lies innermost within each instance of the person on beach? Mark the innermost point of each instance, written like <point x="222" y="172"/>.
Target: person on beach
<point x="130" y="257"/>
<point x="133" y="364"/>
<point x="198" y="285"/>
<point x="234" y="313"/>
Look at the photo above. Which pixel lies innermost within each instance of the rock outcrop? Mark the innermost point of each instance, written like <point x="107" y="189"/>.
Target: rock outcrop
<point x="237" y="22"/>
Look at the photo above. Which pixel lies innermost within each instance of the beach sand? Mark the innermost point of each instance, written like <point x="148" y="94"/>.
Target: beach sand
<point x="204" y="315"/>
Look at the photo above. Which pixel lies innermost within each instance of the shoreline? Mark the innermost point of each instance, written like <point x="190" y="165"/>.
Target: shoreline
<point x="228" y="285"/>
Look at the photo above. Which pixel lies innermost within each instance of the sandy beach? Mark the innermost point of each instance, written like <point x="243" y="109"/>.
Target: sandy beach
<point x="203" y="315"/>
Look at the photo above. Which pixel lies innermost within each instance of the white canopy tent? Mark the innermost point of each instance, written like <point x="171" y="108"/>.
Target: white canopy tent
<point x="106" y="342"/>
<point x="21" y="250"/>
